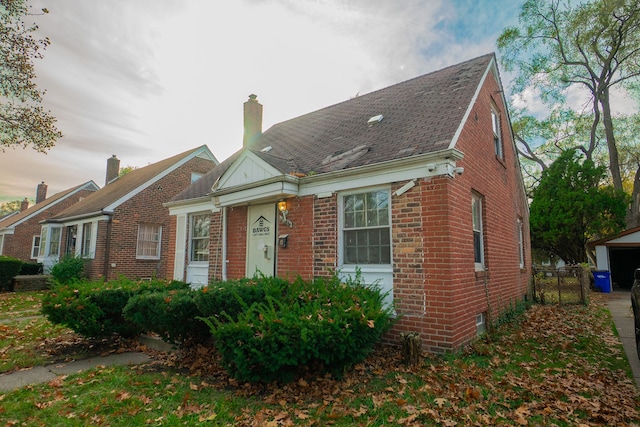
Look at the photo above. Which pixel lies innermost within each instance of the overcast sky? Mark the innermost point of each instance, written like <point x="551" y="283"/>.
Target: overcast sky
<point x="147" y="79"/>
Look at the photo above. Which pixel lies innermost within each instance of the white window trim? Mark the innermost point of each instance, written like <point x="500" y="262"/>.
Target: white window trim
<point x="190" y="238"/>
<point x="475" y="197"/>
<point x="341" y="247"/>
<point x="33" y="246"/>
<point x="159" y="243"/>
<point x="497" y="132"/>
<point x="1" y="243"/>
<point x="48" y="242"/>
<point x="520" y="242"/>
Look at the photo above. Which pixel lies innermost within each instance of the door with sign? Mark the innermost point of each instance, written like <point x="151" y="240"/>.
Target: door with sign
<point x="261" y="239"/>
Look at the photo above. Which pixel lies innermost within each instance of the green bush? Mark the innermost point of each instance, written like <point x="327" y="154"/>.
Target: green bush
<point x="31" y="268"/>
<point x="170" y="314"/>
<point x="9" y="268"/>
<point x="69" y="269"/>
<point x="327" y="325"/>
<point x="94" y="309"/>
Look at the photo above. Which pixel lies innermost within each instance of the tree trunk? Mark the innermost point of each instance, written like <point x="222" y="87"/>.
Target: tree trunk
<point x="614" y="162"/>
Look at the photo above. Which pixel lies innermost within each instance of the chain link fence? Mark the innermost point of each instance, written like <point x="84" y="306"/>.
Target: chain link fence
<point x="563" y="285"/>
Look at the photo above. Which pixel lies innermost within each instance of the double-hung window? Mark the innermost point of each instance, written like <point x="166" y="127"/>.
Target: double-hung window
<point x="35" y="247"/>
<point x="199" y="237"/>
<point x="54" y="241"/>
<point x="86" y="240"/>
<point x="478" y="238"/>
<point x="497" y="137"/>
<point x="366" y="231"/>
<point x="520" y="242"/>
<point x="148" y="246"/>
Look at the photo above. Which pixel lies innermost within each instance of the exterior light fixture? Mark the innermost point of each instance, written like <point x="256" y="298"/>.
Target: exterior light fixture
<point x="282" y="208"/>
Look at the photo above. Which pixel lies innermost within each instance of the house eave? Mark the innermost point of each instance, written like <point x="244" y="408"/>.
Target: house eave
<point x="76" y="217"/>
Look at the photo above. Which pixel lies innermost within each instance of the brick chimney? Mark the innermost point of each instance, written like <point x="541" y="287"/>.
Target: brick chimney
<point x="24" y="205"/>
<point x="252" y="120"/>
<point x="41" y="192"/>
<point x="113" y="169"/>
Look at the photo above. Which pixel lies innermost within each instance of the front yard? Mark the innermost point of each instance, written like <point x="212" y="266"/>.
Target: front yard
<point x="553" y="365"/>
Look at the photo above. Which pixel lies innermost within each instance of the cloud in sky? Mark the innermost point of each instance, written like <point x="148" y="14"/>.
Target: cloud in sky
<point x="148" y="79"/>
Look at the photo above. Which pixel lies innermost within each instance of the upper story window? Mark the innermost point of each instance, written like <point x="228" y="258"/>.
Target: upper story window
<point x="497" y="136"/>
<point x="478" y="234"/>
<point x="199" y="242"/>
<point x="520" y="242"/>
<point x="148" y="246"/>
<point x="365" y="227"/>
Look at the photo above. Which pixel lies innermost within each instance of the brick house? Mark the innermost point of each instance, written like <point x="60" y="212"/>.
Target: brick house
<point x="20" y="232"/>
<point x="417" y="186"/>
<point x="123" y="229"/>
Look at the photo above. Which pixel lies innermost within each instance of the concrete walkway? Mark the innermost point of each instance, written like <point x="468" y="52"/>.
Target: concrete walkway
<point x="619" y="304"/>
<point x="43" y="374"/>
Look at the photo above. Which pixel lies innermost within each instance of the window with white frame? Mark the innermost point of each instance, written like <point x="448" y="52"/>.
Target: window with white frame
<point x="497" y="136"/>
<point x="521" y="242"/>
<point x="365" y="227"/>
<point x="35" y="247"/>
<point x="148" y="246"/>
<point x="1" y="243"/>
<point x="199" y="238"/>
<point x="478" y="238"/>
<point x="86" y="239"/>
<point x="43" y="241"/>
<point x="54" y="241"/>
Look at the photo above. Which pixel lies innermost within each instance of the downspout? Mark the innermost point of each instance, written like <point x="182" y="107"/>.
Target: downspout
<point x="224" y="243"/>
<point x="107" y="250"/>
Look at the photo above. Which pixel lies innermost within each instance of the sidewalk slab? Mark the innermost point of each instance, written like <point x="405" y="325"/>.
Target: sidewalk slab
<point x="18" y="379"/>
<point x="619" y="305"/>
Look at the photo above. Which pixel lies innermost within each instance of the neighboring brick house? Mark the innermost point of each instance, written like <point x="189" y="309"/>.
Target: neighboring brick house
<point x="417" y="186"/>
<point x="20" y="233"/>
<point x="123" y="229"/>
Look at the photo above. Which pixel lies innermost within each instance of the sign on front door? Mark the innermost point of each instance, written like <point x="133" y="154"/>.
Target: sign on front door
<point x="261" y="230"/>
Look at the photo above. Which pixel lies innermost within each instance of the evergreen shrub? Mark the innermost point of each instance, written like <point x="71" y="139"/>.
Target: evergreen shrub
<point x="9" y="268"/>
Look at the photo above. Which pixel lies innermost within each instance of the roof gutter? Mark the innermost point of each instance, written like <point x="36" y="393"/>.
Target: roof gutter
<point x="76" y="217"/>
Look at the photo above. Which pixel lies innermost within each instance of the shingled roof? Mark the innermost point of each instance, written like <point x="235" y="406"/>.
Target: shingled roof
<point x="414" y="117"/>
<point x="95" y="203"/>
<point x="45" y="204"/>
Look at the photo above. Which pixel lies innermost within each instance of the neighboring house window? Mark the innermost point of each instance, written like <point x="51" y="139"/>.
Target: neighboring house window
<point x="478" y="238"/>
<point x="497" y="137"/>
<point x="199" y="238"/>
<point x="54" y="241"/>
<point x="86" y="240"/>
<point x="366" y="228"/>
<point x="72" y="235"/>
<point x="1" y="243"/>
<point x="521" y="242"/>
<point x="35" y="247"/>
<point x="149" y="241"/>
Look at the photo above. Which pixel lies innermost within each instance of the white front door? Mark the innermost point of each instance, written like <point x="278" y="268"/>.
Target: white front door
<point x="261" y="238"/>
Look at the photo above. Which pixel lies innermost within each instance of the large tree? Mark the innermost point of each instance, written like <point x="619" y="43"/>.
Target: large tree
<point x="23" y="121"/>
<point x="571" y="207"/>
<point x="593" y="44"/>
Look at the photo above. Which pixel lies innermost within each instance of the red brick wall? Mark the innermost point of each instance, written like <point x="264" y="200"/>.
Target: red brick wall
<point x="19" y="244"/>
<point x="325" y="236"/>
<point x="145" y="207"/>
<point x="297" y="258"/>
<point x="236" y="242"/>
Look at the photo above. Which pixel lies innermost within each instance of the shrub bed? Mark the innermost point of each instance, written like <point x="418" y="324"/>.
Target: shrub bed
<point x="9" y="268"/>
<point x="94" y="309"/>
<point x="324" y="324"/>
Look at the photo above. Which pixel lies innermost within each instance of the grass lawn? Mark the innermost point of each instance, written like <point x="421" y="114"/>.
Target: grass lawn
<point x="553" y="365"/>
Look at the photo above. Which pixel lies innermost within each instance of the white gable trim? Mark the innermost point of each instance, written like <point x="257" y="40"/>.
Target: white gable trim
<point x="467" y="113"/>
<point x="87" y="186"/>
<point x="198" y="153"/>
<point x="248" y="168"/>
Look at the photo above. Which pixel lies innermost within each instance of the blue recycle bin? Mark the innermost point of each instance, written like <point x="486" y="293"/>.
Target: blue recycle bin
<point x="602" y="281"/>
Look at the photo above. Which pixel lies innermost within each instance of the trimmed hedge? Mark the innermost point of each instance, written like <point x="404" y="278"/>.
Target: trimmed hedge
<point x="94" y="309"/>
<point x="31" y="269"/>
<point x="326" y="325"/>
<point x="9" y="268"/>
